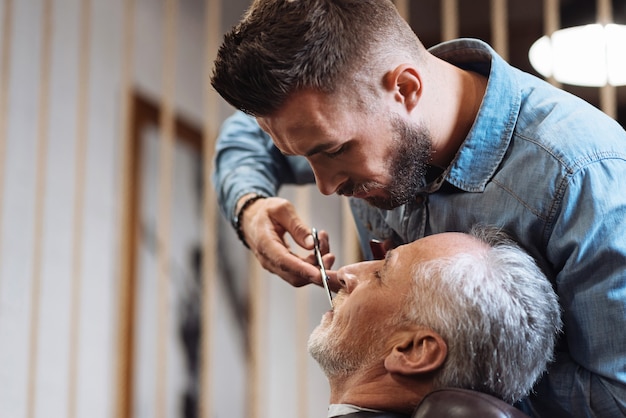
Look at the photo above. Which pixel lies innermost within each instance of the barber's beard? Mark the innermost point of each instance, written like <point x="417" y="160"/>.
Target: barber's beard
<point x="409" y="162"/>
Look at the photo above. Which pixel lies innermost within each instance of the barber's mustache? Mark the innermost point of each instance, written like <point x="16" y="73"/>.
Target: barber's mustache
<point x="350" y="188"/>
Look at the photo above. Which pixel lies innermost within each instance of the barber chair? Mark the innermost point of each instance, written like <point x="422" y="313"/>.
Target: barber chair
<point x="463" y="403"/>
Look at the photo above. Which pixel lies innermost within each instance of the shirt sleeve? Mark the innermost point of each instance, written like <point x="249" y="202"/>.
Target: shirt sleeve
<point x="247" y="161"/>
<point x="588" y="250"/>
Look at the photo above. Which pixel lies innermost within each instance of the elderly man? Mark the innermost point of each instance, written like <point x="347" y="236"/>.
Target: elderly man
<point x="449" y="310"/>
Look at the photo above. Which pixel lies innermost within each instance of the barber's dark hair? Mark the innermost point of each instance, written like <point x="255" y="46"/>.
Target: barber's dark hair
<point x="283" y="46"/>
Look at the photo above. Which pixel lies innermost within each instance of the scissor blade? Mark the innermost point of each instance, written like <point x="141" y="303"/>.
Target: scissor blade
<point x="318" y="257"/>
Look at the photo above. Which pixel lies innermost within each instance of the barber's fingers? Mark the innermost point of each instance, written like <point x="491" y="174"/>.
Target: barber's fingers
<point x="275" y="257"/>
<point x="328" y="260"/>
<point x="325" y="247"/>
<point x="265" y="225"/>
<point x="283" y="213"/>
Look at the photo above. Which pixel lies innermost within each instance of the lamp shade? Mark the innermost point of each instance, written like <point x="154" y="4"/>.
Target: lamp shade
<point x="591" y="55"/>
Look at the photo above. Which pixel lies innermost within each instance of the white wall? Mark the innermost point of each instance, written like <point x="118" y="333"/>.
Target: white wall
<point x="95" y="362"/>
<point x="99" y="253"/>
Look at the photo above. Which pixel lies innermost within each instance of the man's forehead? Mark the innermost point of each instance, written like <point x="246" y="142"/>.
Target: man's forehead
<point x="441" y="245"/>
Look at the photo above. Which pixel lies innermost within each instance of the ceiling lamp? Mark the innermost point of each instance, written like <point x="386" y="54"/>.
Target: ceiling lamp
<point x="591" y="55"/>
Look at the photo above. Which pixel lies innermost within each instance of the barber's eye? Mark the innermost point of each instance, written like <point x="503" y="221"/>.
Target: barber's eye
<point x="337" y="152"/>
<point x="377" y="274"/>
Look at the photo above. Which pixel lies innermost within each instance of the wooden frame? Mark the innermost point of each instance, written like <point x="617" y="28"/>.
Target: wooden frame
<point x="142" y="112"/>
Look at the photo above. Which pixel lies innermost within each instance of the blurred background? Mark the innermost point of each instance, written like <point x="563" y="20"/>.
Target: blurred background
<point x="123" y="292"/>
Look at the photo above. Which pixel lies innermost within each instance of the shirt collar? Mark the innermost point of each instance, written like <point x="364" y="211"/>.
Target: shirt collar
<point x="337" y="410"/>
<point x="484" y="147"/>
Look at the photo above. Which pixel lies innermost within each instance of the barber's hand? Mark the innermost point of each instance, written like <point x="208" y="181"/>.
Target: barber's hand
<point x="265" y="223"/>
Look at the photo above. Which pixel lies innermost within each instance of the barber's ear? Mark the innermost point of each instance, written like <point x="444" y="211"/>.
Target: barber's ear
<point x="406" y="84"/>
<point x="420" y="351"/>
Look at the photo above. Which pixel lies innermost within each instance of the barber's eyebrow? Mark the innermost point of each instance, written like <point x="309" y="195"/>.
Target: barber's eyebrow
<point x="315" y="150"/>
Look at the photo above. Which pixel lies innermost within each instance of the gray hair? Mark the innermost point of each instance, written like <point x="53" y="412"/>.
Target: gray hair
<point x="497" y="312"/>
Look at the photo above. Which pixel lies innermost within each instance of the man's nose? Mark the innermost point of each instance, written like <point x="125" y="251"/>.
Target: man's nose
<point x="348" y="277"/>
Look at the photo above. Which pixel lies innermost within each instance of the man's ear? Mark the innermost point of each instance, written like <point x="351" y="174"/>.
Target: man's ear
<point x="417" y="351"/>
<point x="406" y="84"/>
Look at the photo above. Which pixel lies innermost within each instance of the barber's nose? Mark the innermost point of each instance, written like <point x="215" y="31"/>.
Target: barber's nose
<point x="328" y="181"/>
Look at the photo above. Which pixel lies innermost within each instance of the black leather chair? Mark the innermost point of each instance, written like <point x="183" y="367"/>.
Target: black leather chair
<point x="463" y="403"/>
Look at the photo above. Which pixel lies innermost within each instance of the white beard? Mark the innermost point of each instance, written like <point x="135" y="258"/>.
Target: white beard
<point x="339" y="353"/>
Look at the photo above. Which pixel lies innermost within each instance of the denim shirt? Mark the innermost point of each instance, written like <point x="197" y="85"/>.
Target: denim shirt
<point x="544" y="165"/>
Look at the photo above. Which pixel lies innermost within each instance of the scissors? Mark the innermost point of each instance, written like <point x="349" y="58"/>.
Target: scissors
<point x="318" y="256"/>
